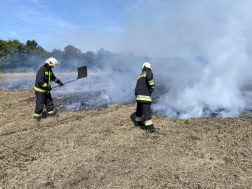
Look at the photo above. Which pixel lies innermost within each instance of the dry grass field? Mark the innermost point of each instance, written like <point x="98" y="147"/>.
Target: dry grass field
<point x="103" y="149"/>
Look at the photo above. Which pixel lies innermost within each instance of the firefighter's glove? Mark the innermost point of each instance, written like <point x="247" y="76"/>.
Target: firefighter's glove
<point x="60" y="83"/>
<point x="151" y="90"/>
<point x="48" y="87"/>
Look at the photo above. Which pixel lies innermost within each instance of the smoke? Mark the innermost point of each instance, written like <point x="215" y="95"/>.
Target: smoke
<point x="216" y="31"/>
<point x="111" y="83"/>
<point x="208" y="50"/>
<point x="201" y="52"/>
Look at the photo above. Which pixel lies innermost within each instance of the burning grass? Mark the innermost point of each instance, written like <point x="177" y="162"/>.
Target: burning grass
<point x="103" y="149"/>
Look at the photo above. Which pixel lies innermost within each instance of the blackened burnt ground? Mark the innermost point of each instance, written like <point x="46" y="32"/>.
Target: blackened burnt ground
<point x="91" y="93"/>
<point x="93" y="100"/>
<point x="99" y="92"/>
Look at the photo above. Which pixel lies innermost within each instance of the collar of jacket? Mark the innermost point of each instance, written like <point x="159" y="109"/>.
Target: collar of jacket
<point x="146" y="69"/>
<point x="48" y="68"/>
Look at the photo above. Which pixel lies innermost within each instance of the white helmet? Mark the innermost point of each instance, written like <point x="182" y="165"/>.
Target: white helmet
<point x="52" y="62"/>
<point x="147" y="65"/>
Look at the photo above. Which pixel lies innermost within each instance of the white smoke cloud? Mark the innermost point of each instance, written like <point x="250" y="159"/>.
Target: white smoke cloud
<point x="218" y="31"/>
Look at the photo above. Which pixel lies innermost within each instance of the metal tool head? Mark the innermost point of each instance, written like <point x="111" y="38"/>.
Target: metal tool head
<point x="82" y="72"/>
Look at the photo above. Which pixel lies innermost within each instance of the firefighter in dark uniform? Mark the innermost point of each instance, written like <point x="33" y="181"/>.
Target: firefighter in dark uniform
<point x="43" y="87"/>
<point x="144" y="87"/>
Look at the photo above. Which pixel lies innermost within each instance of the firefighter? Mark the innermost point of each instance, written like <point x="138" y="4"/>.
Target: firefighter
<point x="144" y="87"/>
<point x="43" y="87"/>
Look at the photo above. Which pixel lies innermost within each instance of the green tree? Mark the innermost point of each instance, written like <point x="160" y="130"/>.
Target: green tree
<point x="89" y="58"/>
<point x="31" y="45"/>
<point x="12" y="54"/>
<point x="71" y="57"/>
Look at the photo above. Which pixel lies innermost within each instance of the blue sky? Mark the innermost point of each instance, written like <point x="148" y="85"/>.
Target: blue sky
<point x="89" y="25"/>
<point x="157" y="28"/>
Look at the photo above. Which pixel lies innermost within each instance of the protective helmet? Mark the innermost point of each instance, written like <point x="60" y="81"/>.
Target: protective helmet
<point x="52" y="62"/>
<point x="147" y="65"/>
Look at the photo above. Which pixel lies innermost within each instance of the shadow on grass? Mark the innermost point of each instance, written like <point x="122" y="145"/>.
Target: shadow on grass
<point x="132" y="117"/>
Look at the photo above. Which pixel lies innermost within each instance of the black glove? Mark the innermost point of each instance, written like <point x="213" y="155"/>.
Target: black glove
<point x="48" y="87"/>
<point x="151" y="90"/>
<point x="60" y="83"/>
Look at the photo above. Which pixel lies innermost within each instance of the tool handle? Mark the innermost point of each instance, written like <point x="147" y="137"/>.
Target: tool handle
<point x="65" y="83"/>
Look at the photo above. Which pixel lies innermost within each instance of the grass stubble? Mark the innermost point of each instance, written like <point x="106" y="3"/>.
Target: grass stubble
<point x="103" y="149"/>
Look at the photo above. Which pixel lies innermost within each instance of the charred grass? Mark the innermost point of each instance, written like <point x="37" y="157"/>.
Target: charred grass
<point x="103" y="149"/>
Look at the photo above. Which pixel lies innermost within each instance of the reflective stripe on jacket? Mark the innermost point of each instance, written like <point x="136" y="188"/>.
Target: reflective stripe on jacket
<point x="144" y="85"/>
<point x="39" y="90"/>
<point x="143" y="98"/>
<point x="43" y="79"/>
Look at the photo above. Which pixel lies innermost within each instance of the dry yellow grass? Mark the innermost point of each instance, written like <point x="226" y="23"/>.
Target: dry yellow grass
<point x="103" y="149"/>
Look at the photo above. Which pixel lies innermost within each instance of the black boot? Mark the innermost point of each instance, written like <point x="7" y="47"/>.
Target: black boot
<point x="138" y="123"/>
<point x="143" y="127"/>
<point x="52" y="115"/>
<point x="152" y="129"/>
<point x="38" y="119"/>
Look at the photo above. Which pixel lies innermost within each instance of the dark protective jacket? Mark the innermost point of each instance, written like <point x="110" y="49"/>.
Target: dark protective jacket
<point x="145" y="86"/>
<point x="43" y="79"/>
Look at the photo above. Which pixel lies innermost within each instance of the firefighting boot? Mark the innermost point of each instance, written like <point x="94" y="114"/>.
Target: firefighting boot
<point x="52" y="114"/>
<point x="38" y="119"/>
<point x="152" y="129"/>
<point x="143" y="127"/>
<point x="138" y="123"/>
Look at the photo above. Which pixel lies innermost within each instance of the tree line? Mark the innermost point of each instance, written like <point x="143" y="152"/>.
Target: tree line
<point x="17" y="56"/>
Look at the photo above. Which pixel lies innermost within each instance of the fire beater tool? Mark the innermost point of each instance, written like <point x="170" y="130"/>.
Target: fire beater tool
<point x="82" y="72"/>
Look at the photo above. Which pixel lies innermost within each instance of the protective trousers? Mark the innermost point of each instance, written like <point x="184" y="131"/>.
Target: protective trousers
<point x="41" y="100"/>
<point x="145" y="110"/>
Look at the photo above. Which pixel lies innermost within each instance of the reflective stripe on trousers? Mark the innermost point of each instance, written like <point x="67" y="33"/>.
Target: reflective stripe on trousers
<point x="144" y="109"/>
<point x="41" y="100"/>
<point x="37" y="115"/>
<point x="148" y="122"/>
<point x="138" y="118"/>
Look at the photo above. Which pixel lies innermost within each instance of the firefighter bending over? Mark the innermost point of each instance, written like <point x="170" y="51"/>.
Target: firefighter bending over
<point x="144" y="87"/>
<point x="43" y="87"/>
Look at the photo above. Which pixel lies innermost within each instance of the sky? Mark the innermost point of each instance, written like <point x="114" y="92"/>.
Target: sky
<point x="155" y="28"/>
<point x="85" y="24"/>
